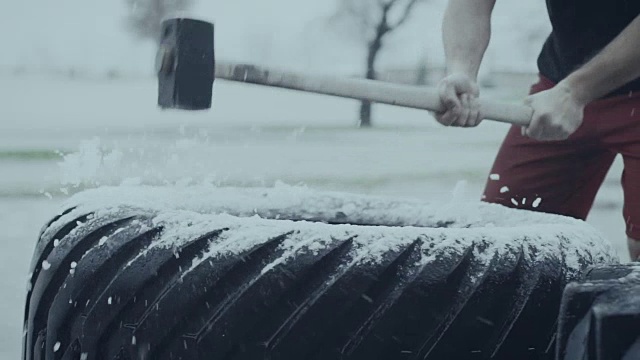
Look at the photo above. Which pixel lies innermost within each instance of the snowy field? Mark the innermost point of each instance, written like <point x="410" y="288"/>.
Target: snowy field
<point x="58" y="136"/>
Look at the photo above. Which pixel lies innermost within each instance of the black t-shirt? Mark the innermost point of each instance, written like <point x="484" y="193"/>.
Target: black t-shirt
<point x="581" y="29"/>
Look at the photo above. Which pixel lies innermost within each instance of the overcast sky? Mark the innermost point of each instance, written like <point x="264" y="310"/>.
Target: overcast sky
<point x="89" y="35"/>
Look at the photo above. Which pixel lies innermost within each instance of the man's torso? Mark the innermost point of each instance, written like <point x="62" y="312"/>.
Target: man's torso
<point x="581" y="29"/>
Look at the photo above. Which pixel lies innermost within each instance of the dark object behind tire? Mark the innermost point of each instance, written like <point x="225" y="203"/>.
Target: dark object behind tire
<point x="112" y="281"/>
<point x="600" y="315"/>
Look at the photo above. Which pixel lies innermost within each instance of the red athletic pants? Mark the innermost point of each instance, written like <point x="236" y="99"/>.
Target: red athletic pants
<point x="563" y="177"/>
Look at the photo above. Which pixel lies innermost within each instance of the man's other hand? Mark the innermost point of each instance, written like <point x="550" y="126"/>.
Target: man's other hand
<point x="556" y="114"/>
<point x="459" y="95"/>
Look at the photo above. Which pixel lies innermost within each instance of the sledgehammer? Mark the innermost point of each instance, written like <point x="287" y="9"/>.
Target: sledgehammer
<point x="187" y="67"/>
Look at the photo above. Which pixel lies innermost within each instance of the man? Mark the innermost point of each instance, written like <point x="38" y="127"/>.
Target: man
<point x="586" y="106"/>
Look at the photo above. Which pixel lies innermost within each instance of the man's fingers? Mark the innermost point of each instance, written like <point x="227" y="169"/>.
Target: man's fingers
<point x="458" y="100"/>
<point x="535" y="128"/>
<point x="544" y="129"/>
<point x="449" y="97"/>
<point x="541" y="129"/>
<point x="471" y="111"/>
<point x="440" y="117"/>
<point x="474" y="117"/>
<point x="474" y="112"/>
<point x="450" y="101"/>
<point x="533" y="133"/>
<point x="465" y="113"/>
<point x="445" y="118"/>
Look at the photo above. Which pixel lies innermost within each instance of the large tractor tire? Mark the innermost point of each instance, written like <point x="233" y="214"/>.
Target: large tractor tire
<point x="287" y="273"/>
<point x="600" y="315"/>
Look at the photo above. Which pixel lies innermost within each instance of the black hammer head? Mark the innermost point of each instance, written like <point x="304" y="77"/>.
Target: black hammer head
<point x="185" y="64"/>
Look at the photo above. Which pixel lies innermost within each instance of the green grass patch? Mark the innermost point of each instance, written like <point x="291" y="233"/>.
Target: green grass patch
<point x="31" y="155"/>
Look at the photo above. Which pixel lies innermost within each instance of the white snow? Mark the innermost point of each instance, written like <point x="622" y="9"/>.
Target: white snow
<point x="537" y="202"/>
<point x="56" y="347"/>
<point x="288" y="201"/>
<point x="250" y="213"/>
<point x="103" y="240"/>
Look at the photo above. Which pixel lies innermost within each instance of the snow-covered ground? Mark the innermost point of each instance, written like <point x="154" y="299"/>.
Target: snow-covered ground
<point x="112" y="132"/>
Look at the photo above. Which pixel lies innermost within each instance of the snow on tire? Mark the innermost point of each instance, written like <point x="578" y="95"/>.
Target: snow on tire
<point x="600" y="315"/>
<point x="289" y="273"/>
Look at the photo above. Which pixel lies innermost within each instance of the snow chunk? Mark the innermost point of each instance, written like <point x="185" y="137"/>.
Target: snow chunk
<point x="494" y="177"/>
<point x="103" y="240"/>
<point x="537" y="202"/>
<point x="459" y="191"/>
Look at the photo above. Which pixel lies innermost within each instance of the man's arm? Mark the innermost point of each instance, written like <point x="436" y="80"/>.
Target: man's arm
<point x="616" y="65"/>
<point x="466" y="30"/>
<point x="559" y="112"/>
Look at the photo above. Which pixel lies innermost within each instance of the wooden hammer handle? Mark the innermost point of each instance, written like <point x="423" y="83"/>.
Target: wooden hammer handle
<point x="362" y="89"/>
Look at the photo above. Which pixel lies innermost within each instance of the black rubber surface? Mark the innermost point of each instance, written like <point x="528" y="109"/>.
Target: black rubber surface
<point x="600" y="315"/>
<point x="103" y="288"/>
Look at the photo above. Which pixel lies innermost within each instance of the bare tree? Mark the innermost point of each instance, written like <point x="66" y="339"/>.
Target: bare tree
<point x="372" y="21"/>
<point x="145" y="16"/>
